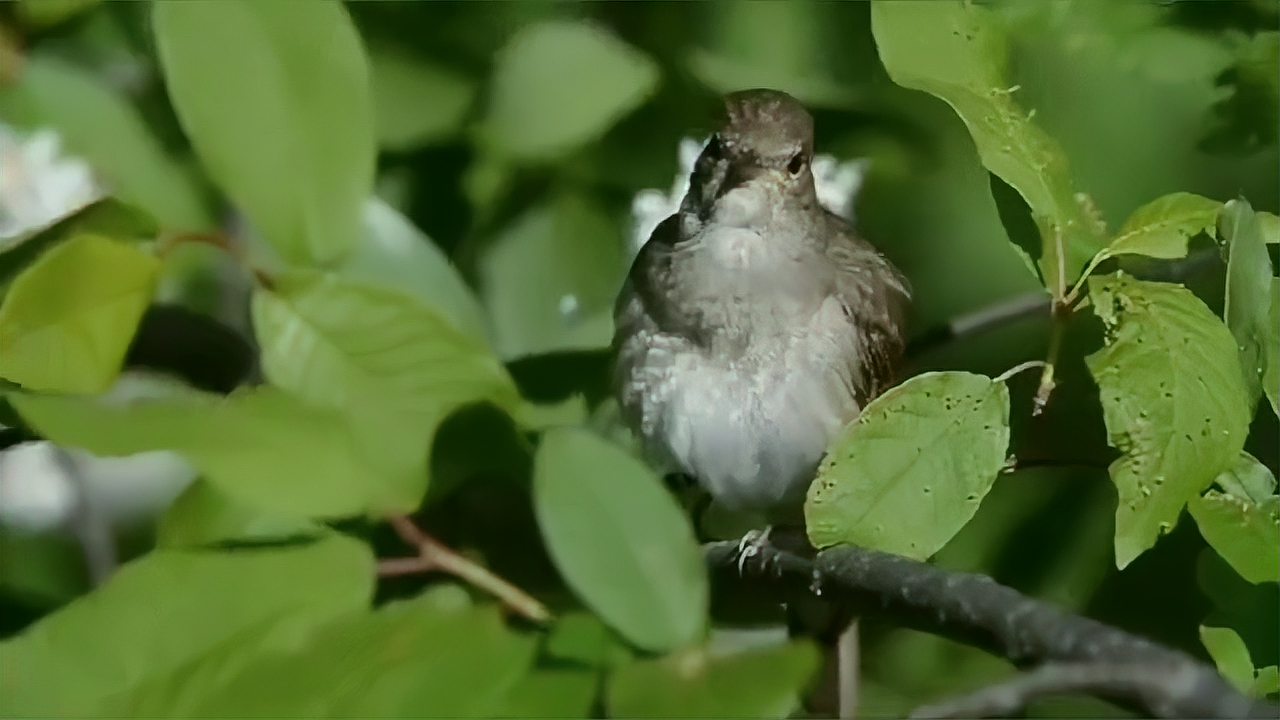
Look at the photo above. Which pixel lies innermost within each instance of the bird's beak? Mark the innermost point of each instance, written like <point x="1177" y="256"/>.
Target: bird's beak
<point x="736" y="176"/>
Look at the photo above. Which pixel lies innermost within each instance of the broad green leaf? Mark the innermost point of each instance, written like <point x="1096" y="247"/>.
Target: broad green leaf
<point x="765" y="683"/>
<point x="1229" y="654"/>
<point x="1266" y="681"/>
<point x="107" y="217"/>
<point x="97" y="123"/>
<point x="1248" y="298"/>
<point x="394" y="367"/>
<point x="40" y="570"/>
<point x="559" y="85"/>
<point x="1271" y="373"/>
<point x="551" y="694"/>
<point x="67" y="321"/>
<point x="912" y="469"/>
<point x="1248" y="479"/>
<point x="957" y="51"/>
<point x="416" y="102"/>
<point x="398" y="255"/>
<point x="581" y="638"/>
<point x="1162" y="227"/>
<point x="1173" y="399"/>
<point x="275" y="99"/>
<point x="47" y="13"/>
<point x="1269" y="224"/>
<point x="550" y="279"/>
<point x="1246" y="535"/>
<point x="641" y="569"/>
<point x="425" y="657"/>
<point x="168" y="608"/>
<point x="261" y="446"/>
<point x="205" y="515"/>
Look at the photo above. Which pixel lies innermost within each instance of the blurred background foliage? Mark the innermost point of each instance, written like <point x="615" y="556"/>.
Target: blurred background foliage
<point x="513" y="137"/>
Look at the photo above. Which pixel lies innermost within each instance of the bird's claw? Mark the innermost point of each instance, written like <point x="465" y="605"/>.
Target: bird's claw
<point x="751" y="545"/>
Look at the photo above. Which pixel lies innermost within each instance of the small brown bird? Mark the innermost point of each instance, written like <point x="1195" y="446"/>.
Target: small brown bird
<point x="754" y="323"/>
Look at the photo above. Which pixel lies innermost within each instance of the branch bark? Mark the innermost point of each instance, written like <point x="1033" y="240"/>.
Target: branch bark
<point x="975" y="610"/>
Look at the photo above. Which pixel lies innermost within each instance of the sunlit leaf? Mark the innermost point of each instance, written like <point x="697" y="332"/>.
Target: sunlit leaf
<point x="166" y="609"/>
<point x="1249" y="296"/>
<point x="559" y="85"/>
<point x="1162" y="227"/>
<point x="958" y="52"/>
<point x="416" y="102"/>
<point x="1229" y="654"/>
<point x="765" y="683"/>
<point x="275" y="99"/>
<point x="912" y="469"/>
<point x="205" y="515"/>
<point x="641" y="570"/>
<point x="551" y="694"/>
<point x="67" y="321"/>
<point x="1243" y="525"/>
<point x="1173" y="399"/>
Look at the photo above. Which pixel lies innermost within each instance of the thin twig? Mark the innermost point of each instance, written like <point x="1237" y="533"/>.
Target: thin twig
<point x="1047" y="381"/>
<point x="1004" y="376"/>
<point x="433" y="556"/>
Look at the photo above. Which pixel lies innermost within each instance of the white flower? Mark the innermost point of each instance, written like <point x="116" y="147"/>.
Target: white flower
<point x="38" y="184"/>
<point x="837" y="183"/>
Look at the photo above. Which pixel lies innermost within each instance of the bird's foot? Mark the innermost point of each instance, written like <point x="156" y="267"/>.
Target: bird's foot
<point x="751" y="545"/>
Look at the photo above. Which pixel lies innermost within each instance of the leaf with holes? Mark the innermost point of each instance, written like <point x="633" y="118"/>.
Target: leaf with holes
<point x="1248" y="302"/>
<point x="69" y="318"/>
<point x="1243" y="524"/>
<point x="911" y="470"/>
<point x="1173" y="399"/>
<point x="1163" y="227"/>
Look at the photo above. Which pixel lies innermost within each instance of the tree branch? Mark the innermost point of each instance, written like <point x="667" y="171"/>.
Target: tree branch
<point x="975" y="610"/>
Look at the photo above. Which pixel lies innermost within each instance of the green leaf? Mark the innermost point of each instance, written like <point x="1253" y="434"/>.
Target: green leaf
<point x="551" y="694"/>
<point x="261" y="446"/>
<point x="99" y="124"/>
<point x="275" y="99"/>
<point x="912" y="469"/>
<point x="1243" y="525"/>
<point x="550" y="279"/>
<point x="107" y="217"/>
<point x="426" y="657"/>
<point x="397" y="255"/>
<point x="1229" y="654"/>
<point x="641" y="570"/>
<point x="764" y="683"/>
<point x="1245" y="121"/>
<point x="205" y="515"/>
<point x="1271" y="373"/>
<point x="1266" y="681"/>
<point x="1249" y="298"/>
<point x="559" y="85"/>
<point x="416" y="102"/>
<point x="396" y="368"/>
<point x="1162" y="227"/>
<point x="48" y="13"/>
<point x="44" y="570"/>
<point x="1173" y="399"/>
<point x="166" y="609"/>
<point x="580" y="637"/>
<point x="957" y="51"/>
<point x="68" y="320"/>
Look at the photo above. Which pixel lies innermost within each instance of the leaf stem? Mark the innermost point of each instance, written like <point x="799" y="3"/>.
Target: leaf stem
<point x="1070" y="299"/>
<point x="1004" y="376"/>
<point x="1047" y="382"/>
<point x="434" y="556"/>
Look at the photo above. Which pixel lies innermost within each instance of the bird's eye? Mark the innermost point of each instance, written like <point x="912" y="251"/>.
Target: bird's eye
<point x="713" y="148"/>
<point x="797" y="164"/>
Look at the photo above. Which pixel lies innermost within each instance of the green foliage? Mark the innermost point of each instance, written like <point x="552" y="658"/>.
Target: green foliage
<point x="205" y="515"/>
<point x="1173" y="398"/>
<point x="911" y="471"/>
<point x="1163" y="227"/>
<point x="559" y="85"/>
<point x="1249" y="296"/>
<point x="285" y="128"/>
<point x="416" y="102"/>
<point x="1243" y="523"/>
<point x="1247" y="118"/>
<point x="640" y="569"/>
<point x="169" y="608"/>
<point x="78" y="304"/>
<point x="1229" y="654"/>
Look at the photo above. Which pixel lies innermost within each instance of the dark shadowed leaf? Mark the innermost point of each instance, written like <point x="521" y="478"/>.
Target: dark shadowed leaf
<point x="1246" y="120"/>
<point x="1173" y="399"/>
<point x="641" y="568"/>
<point x="911" y="470"/>
<point x="416" y="102"/>
<point x="275" y="99"/>
<point x="551" y="694"/>
<point x="582" y="638"/>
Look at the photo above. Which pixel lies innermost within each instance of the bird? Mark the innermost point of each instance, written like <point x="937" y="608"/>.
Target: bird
<point x="754" y="323"/>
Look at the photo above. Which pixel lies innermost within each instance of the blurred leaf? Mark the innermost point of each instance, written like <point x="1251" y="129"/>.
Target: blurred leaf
<point x="958" y="52"/>
<point x="261" y="446"/>
<point x="1246" y="120"/>
<point x="1266" y="681"/>
<point x="559" y="85"/>
<point x="41" y="14"/>
<point x="107" y="217"/>
<point x="100" y="125"/>
<point x="1271" y="373"/>
<point x="393" y="366"/>
<point x="1243" y="525"/>
<point x="204" y="515"/>
<point x="416" y="102"/>
<point x="551" y="694"/>
<point x="764" y="683"/>
<point x="641" y="568"/>
<point x="1248" y="298"/>
<point x="168" y="608"/>
<point x="67" y="321"/>
<point x="1019" y="224"/>
<point x="398" y="255"/>
<point x="425" y="657"/>
<point x="1247" y="608"/>
<point x="1173" y="399"/>
<point x="549" y="280"/>
<point x="1162" y="227"/>
<point x="581" y="637"/>
<point x="44" y="569"/>
<point x="275" y="99"/>
<point x="1229" y="654"/>
<point x="912" y="469"/>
